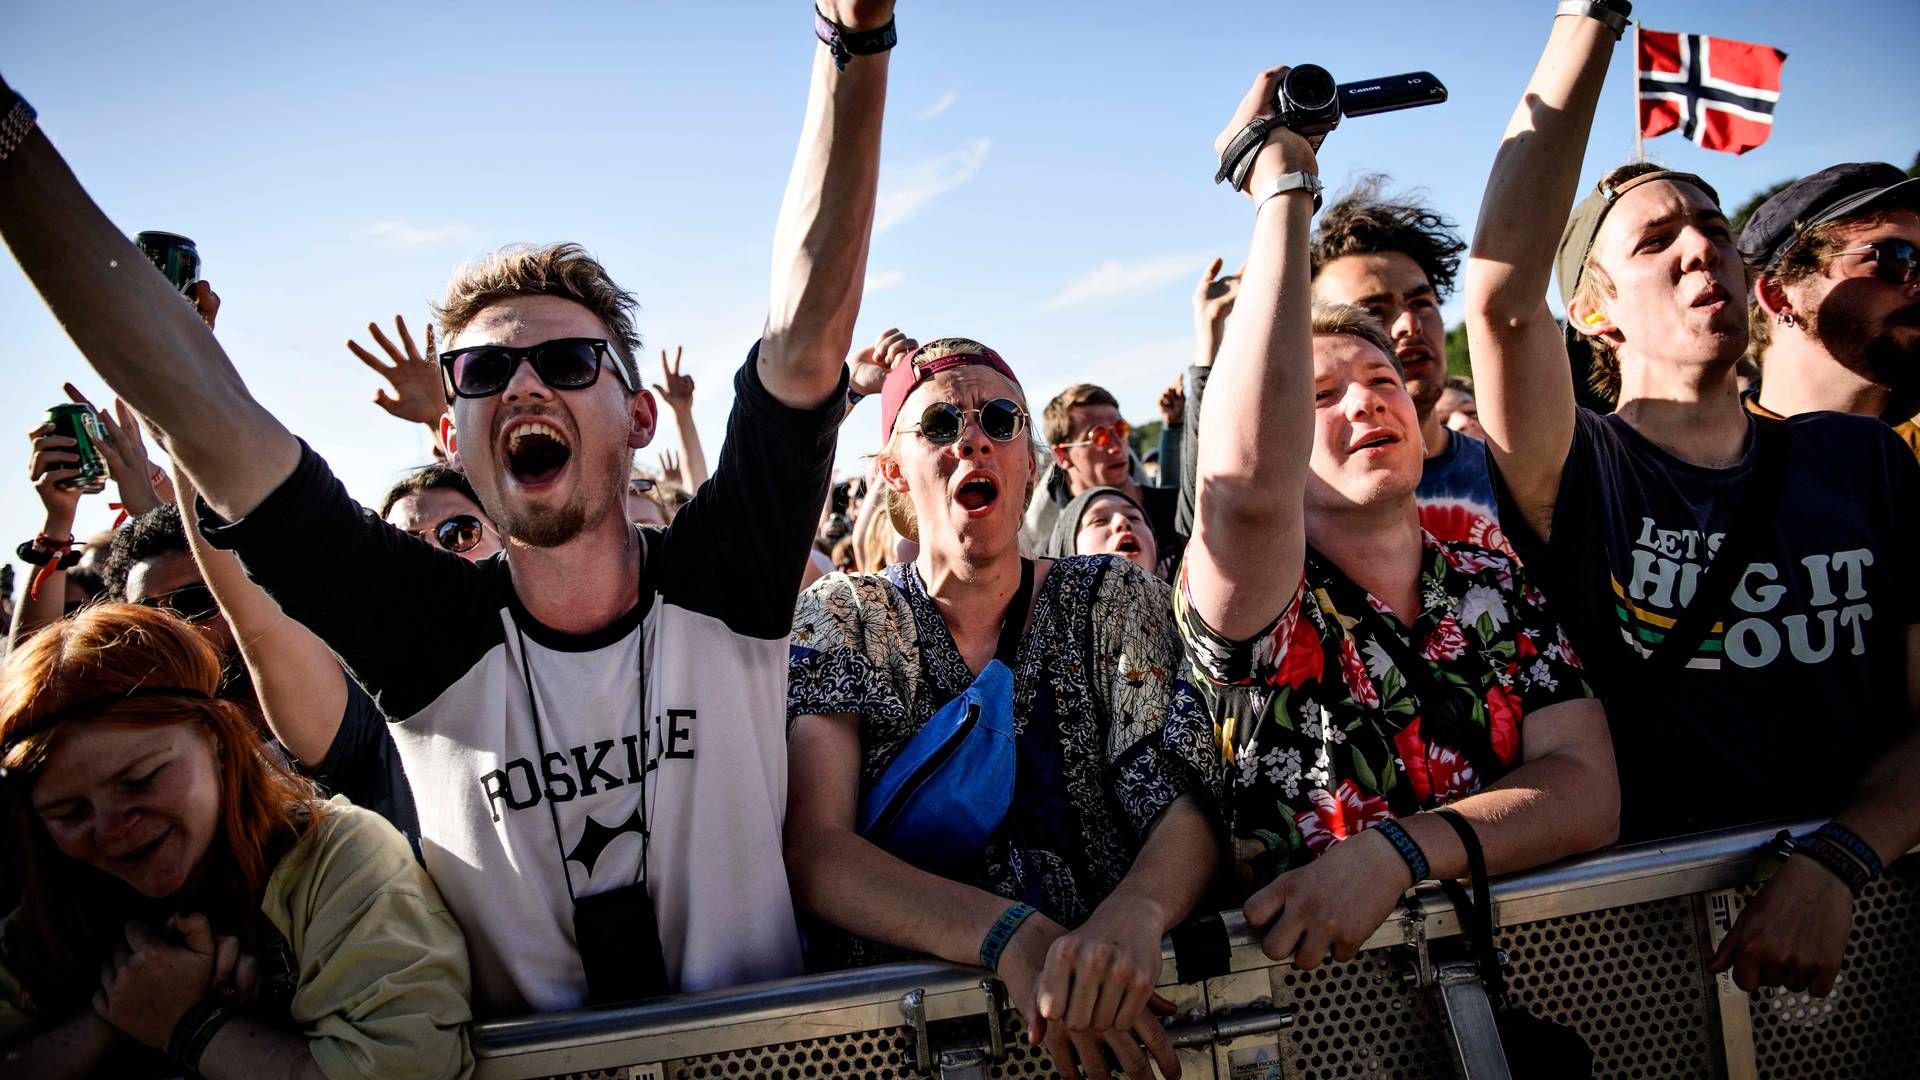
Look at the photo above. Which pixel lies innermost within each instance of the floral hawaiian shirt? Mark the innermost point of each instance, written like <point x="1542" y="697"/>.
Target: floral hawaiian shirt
<point x="1107" y="731"/>
<point x="1319" y="728"/>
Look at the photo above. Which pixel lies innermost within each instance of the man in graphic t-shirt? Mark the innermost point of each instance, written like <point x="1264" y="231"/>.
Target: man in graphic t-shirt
<point x="600" y="707"/>
<point x="1794" y="698"/>
<point x="1835" y="313"/>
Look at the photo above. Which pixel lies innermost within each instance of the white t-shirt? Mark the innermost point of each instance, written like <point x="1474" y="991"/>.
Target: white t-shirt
<point x="509" y="819"/>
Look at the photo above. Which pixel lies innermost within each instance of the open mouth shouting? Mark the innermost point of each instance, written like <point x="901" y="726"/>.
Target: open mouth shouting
<point x="977" y="493"/>
<point x="1127" y="545"/>
<point x="534" y="451"/>
<point x="1379" y="439"/>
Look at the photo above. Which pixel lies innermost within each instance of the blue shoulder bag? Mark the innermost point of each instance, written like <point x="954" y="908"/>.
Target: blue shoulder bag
<point x="942" y="798"/>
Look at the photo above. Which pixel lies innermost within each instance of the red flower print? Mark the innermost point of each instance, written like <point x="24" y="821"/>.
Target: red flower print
<point x="1503" y="721"/>
<point x="1359" y="684"/>
<point x="1301" y="660"/>
<point x="1338" y="814"/>
<point x="1445" y="642"/>
<point x="1437" y="773"/>
<point x="1524" y="646"/>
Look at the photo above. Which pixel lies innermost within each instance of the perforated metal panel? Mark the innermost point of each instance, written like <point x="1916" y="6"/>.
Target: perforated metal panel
<point x="1870" y="1026"/>
<point x="884" y="1055"/>
<point x="1629" y="980"/>
<point x="1362" y="1019"/>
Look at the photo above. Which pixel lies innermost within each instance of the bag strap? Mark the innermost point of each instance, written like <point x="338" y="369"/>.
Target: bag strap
<point x="1013" y="626"/>
<point x="1753" y="508"/>
<point x="1476" y="915"/>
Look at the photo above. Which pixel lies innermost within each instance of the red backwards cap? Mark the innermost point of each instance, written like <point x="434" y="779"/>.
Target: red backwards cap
<point x="927" y="361"/>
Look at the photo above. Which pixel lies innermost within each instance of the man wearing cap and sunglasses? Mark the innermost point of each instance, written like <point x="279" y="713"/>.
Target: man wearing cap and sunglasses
<point x="1089" y="440"/>
<point x="594" y="720"/>
<point x="1744" y="592"/>
<point x="1835" y="315"/>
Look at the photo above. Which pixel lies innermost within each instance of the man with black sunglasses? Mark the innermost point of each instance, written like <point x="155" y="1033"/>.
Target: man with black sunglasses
<point x="595" y="719"/>
<point x="437" y="503"/>
<point x="1835" y="314"/>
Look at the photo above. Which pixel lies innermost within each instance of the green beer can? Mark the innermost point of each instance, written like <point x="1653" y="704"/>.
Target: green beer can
<point x="174" y="255"/>
<point x="81" y="424"/>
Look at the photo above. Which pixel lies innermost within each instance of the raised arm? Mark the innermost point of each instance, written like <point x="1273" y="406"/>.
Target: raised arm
<point x="1522" y="381"/>
<point x="137" y="331"/>
<point x="826" y="219"/>
<point x="676" y="390"/>
<point x="302" y="689"/>
<point x="1249" y="540"/>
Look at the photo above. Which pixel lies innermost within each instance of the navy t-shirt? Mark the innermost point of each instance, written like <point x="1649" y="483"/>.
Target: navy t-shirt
<point x="1802" y="680"/>
<point x="364" y="765"/>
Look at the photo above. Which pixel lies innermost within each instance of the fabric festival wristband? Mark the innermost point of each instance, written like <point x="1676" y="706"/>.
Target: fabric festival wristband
<point x="195" y="1030"/>
<point x="846" y="44"/>
<point x="1830" y="855"/>
<point x="1857" y="847"/>
<point x="1002" y="932"/>
<point x="15" y="123"/>
<point x="1396" y="835"/>
<point x="1613" y="20"/>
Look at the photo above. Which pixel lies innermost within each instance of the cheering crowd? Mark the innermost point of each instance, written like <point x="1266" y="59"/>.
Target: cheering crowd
<point x="1350" y="627"/>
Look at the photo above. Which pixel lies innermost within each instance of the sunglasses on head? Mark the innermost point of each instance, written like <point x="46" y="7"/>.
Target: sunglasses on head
<point x="458" y="533"/>
<point x="1104" y="436"/>
<point x="193" y="603"/>
<point x="1001" y="420"/>
<point x="1895" y="261"/>
<point x="563" y="364"/>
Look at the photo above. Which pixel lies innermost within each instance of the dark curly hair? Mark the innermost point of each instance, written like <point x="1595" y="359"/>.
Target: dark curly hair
<point x="1364" y="222"/>
<point x="159" y="531"/>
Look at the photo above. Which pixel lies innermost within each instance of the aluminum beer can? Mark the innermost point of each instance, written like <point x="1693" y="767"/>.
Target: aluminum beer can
<point x="81" y="424"/>
<point x="174" y="255"/>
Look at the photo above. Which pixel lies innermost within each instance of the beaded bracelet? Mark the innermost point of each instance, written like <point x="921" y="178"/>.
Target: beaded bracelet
<point x="1402" y="843"/>
<point x="1857" y="847"/>
<point x="1834" y="858"/>
<point x="1002" y="932"/>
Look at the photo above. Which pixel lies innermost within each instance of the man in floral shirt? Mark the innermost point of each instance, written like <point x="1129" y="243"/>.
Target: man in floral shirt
<point x="1360" y="671"/>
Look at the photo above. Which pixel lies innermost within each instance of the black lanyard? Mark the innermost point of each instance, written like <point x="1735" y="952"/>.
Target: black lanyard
<point x="540" y="743"/>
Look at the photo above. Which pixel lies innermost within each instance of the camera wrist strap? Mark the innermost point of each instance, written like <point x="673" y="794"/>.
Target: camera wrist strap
<point x="1237" y="161"/>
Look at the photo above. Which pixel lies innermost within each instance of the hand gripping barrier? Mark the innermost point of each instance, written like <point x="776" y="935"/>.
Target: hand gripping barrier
<point x="1613" y="945"/>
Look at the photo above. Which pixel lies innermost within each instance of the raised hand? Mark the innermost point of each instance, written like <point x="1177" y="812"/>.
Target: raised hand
<point x="54" y="462"/>
<point x="1213" y="297"/>
<point x="1173" y="403"/>
<point x="132" y="470"/>
<point x="417" y="392"/>
<point x="674" y="388"/>
<point x="1284" y="150"/>
<point x="670" y="471"/>
<point x="871" y="364"/>
<point x="206" y="302"/>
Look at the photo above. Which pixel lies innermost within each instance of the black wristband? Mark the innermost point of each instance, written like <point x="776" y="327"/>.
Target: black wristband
<point x="208" y="1012"/>
<point x="846" y="43"/>
<point x="32" y="555"/>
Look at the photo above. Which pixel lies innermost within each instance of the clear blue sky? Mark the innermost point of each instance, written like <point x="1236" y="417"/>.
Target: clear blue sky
<point x="1046" y="180"/>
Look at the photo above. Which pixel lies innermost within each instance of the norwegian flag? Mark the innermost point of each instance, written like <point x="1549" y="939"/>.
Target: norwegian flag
<point x="1720" y="93"/>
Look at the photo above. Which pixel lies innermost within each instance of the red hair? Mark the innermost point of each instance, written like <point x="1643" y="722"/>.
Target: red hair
<point x="79" y="671"/>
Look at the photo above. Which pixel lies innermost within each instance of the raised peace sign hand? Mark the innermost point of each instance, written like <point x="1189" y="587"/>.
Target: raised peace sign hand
<point x="417" y="392"/>
<point x="677" y="390"/>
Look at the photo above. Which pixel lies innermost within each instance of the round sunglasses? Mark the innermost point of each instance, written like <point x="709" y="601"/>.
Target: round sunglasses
<point x="563" y="364"/>
<point x="458" y="534"/>
<point x="1001" y="420"/>
<point x="1895" y="261"/>
<point x="1104" y="436"/>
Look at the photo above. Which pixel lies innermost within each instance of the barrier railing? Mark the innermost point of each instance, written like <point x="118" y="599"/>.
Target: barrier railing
<point x="1613" y="945"/>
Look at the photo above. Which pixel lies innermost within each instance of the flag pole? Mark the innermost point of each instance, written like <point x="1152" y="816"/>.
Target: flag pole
<point x="1639" y="143"/>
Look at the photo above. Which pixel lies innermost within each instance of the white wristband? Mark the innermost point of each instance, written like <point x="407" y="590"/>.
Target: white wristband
<point x="1285" y="182"/>
<point x="1607" y="17"/>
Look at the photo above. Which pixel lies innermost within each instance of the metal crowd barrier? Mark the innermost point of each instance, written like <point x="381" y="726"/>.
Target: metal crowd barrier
<point x="1613" y="945"/>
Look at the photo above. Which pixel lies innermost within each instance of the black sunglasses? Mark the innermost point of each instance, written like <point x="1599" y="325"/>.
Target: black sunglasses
<point x="563" y="364"/>
<point x="193" y="603"/>
<point x="1895" y="261"/>
<point x="459" y="533"/>
<point x="1001" y="419"/>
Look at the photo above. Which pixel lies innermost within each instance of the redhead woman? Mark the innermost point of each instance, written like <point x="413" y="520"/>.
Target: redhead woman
<point x="1075" y="833"/>
<point x="188" y="902"/>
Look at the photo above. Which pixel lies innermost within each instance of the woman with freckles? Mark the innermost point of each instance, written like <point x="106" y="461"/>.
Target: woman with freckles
<point x="1105" y="845"/>
<point x="189" y="903"/>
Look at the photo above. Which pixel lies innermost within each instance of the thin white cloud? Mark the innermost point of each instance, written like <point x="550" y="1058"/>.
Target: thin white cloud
<point x="1117" y="278"/>
<point x="946" y="102"/>
<point x="913" y="188"/>
<point x="886" y="279"/>
<point x="406" y="234"/>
